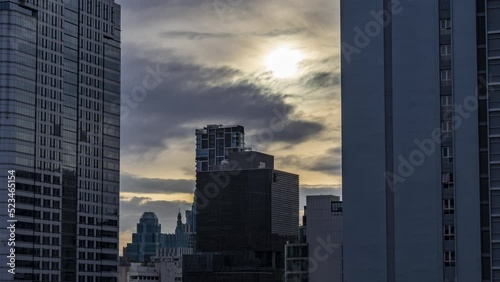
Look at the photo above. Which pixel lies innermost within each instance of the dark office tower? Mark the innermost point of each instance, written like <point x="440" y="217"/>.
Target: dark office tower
<point x="59" y="130"/>
<point x="420" y="126"/>
<point x="244" y="218"/>
<point x="214" y="142"/>
<point x="146" y="241"/>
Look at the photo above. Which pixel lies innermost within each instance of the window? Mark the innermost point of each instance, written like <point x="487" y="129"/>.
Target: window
<point x="446" y="52"/>
<point x="449" y="206"/>
<point x="446" y="127"/>
<point x="447" y="180"/>
<point x="449" y="258"/>
<point x="446" y="103"/>
<point x="336" y="207"/>
<point x="445" y="26"/>
<point x="447" y="154"/>
<point x="449" y="232"/>
<point x="445" y="77"/>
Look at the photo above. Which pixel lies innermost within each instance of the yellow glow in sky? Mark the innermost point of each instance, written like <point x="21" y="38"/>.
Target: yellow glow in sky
<point x="283" y="62"/>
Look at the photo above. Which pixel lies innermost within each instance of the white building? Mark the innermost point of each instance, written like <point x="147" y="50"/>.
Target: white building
<point x="166" y="269"/>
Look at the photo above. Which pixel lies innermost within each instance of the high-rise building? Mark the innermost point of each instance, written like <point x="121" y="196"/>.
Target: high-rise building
<point x="419" y="138"/>
<point x="146" y="241"/>
<point x="245" y="214"/>
<point x="317" y="256"/>
<point x="60" y="132"/>
<point x="324" y="238"/>
<point x="214" y="142"/>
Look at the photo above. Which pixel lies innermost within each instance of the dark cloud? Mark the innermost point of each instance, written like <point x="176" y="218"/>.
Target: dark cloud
<point x="322" y="80"/>
<point x="282" y="32"/>
<point x="298" y="131"/>
<point x="197" y="35"/>
<point x="193" y="35"/>
<point x="189" y="96"/>
<point x="130" y="183"/>
<point x="329" y="162"/>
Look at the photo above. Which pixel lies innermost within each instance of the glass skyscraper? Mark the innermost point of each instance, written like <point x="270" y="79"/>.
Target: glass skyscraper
<point x="60" y="132"/>
<point x="214" y="142"/>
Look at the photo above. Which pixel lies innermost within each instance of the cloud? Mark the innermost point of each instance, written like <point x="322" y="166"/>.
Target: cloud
<point x="197" y="35"/>
<point x="328" y="162"/>
<point x="193" y="35"/>
<point x="298" y="131"/>
<point x="131" y="183"/>
<point x="322" y="79"/>
<point x="187" y="96"/>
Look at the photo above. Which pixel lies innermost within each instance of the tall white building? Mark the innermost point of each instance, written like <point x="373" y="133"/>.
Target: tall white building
<point x="60" y="132"/>
<point x="420" y="135"/>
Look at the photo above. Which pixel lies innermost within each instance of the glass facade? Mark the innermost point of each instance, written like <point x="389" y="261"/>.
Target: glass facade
<point x="59" y="129"/>
<point x="214" y="142"/>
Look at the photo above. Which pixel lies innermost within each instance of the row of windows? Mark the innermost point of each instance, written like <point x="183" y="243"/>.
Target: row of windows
<point x="54" y="119"/>
<point x="48" y="104"/>
<point x="447" y="156"/>
<point x="52" y="32"/>
<point x="48" y="166"/>
<point x="46" y="228"/>
<point x="51" y="45"/>
<point x="47" y="191"/>
<point x="36" y="252"/>
<point x="45" y="203"/>
<point x="91" y="244"/>
<point x="88" y="173"/>
<point x="89" y="256"/>
<point x="90" y="232"/>
<point x="38" y="214"/>
<point x="93" y="7"/>
<point x="51" y="57"/>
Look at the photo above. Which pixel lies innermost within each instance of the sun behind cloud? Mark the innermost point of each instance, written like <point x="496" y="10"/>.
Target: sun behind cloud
<point x="283" y="62"/>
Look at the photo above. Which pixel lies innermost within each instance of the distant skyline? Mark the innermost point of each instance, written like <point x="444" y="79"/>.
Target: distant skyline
<point x="186" y="64"/>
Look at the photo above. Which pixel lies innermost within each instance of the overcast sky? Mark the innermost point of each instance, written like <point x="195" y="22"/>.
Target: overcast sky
<point x="189" y="63"/>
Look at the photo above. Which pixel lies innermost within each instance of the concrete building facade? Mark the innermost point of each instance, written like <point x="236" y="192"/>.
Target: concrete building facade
<point x="419" y="135"/>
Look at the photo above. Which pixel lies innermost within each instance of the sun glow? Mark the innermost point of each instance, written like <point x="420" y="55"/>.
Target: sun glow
<point x="283" y="62"/>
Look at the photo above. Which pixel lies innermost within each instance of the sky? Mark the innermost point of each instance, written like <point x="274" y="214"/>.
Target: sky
<point x="189" y="63"/>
